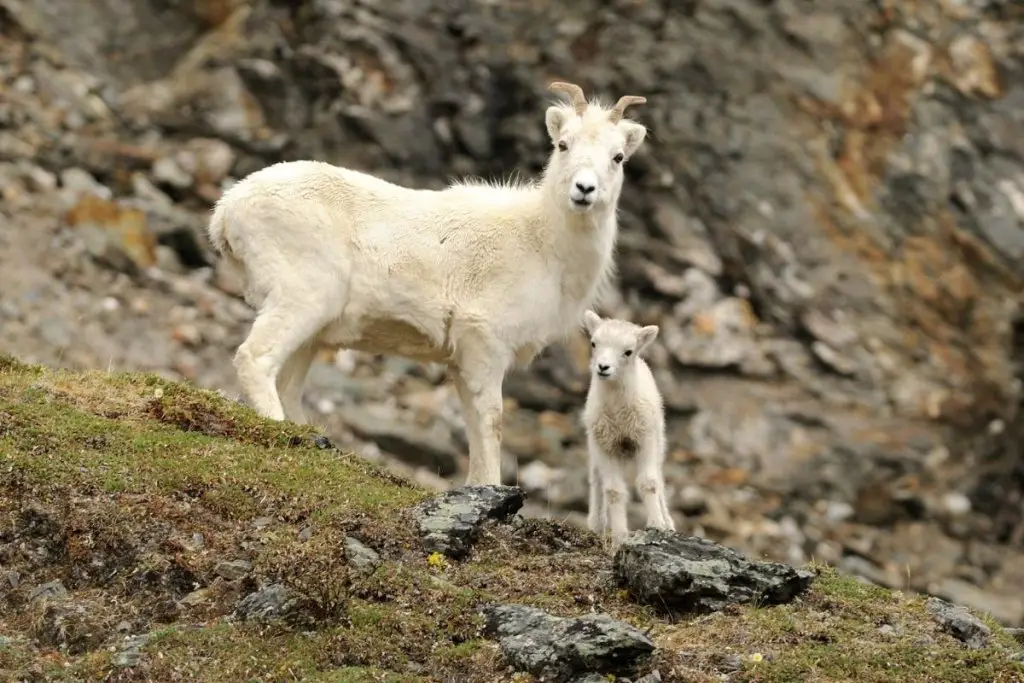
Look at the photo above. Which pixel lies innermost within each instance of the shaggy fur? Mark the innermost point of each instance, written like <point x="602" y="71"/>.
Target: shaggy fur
<point x="475" y="276"/>
<point x="625" y="421"/>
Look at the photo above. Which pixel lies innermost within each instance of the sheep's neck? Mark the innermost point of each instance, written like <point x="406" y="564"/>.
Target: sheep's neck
<point x="586" y="245"/>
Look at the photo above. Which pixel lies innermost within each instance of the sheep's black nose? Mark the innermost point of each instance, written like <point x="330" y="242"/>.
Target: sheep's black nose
<point x="584" y="188"/>
<point x="604" y="368"/>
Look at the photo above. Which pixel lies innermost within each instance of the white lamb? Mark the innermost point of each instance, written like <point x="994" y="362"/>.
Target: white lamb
<point x="477" y="276"/>
<point x="625" y="421"/>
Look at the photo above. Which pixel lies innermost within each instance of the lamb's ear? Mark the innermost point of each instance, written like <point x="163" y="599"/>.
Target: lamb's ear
<point x="645" y="336"/>
<point x="635" y="134"/>
<point x="590" y="321"/>
<point x="555" y="118"/>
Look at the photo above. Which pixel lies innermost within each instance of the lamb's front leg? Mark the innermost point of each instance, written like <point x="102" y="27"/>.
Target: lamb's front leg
<point x="650" y="485"/>
<point x="615" y="499"/>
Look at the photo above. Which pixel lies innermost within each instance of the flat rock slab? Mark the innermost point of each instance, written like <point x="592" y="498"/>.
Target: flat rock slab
<point x="450" y="522"/>
<point x="362" y="558"/>
<point x="959" y="623"/>
<point x="564" y="649"/>
<point x="271" y="603"/>
<point x="674" y="572"/>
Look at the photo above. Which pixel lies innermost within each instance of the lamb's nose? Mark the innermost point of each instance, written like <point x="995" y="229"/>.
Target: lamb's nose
<point x="604" y="368"/>
<point x="584" y="188"/>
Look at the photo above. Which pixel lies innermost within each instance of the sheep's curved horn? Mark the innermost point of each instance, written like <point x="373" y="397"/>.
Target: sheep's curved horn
<point x="620" y="107"/>
<point x="575" y="93"/>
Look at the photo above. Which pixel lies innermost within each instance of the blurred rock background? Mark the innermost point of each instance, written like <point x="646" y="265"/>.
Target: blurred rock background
<point x="827" y="221"/>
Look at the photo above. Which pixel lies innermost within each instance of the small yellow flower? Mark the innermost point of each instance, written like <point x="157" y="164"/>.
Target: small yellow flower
<point x="756" y="657"/>
<point x="436" y="560"/>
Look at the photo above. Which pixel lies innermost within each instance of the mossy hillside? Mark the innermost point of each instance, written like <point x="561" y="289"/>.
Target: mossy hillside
<point x="130" y="489"/>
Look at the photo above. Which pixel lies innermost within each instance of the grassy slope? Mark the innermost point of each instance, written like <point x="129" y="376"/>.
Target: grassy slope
<point x="105" y="480"/>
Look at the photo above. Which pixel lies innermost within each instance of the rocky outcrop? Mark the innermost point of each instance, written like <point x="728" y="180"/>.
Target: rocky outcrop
<point x="451" y="522"/>
<point x="684" y="574"/>
<point x="826" y="223"/>
<point x="566" y="649"/>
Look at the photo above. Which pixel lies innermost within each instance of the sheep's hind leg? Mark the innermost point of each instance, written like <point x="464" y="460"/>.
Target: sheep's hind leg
<point x="291" y="380"/>
<point x="280" y="328"/>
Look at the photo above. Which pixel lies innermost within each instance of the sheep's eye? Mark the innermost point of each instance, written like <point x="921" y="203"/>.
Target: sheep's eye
<point x="628" y="353"/>
<point x="562" y="146"/>
<point x="593" y="345"/>
<point x="618" y="158"/>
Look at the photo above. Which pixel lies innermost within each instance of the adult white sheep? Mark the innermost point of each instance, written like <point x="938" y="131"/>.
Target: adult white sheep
<point x="477" y="276"/>
<point x="624" y="418"/>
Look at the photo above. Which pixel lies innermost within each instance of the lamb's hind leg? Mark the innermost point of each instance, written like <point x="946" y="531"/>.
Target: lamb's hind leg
<point x="291" y="380"/>
<point x="597" y="520"/>
<point x="281" y="327"/>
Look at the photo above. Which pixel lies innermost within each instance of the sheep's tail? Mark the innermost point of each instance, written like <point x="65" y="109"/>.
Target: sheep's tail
<point x="216" y="230"/>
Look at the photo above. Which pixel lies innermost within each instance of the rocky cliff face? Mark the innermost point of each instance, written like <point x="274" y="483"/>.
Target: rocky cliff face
<point x="827" y="221"/>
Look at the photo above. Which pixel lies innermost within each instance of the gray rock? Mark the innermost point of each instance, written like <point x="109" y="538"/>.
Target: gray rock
<point x="361" y="557"/>
<point x="562" y="648"/>
<point x="131" y="652"/>
<point x="959" y="623"/>
<point x="653" y="677"/>
<point x="671" y="571"/>
<point x="274" y="602"/>
<point x="233" y="569"/>
<point x="450" y="522"/>
<point x="51" y="590"/>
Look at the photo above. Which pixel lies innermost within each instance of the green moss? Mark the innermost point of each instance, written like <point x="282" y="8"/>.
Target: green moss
<point x="130" y="469"/>
<point x="59" y="439"/>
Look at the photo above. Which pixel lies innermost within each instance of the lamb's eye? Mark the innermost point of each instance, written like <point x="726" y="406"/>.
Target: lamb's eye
<point x="593" y="345"/>
<point x="618" y="158"/>
<point x="562" y="146"/>
<point x="628" y="353"/>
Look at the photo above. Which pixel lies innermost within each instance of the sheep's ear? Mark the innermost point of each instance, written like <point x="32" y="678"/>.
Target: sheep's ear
<point x="555" y="118"/>
<point x="635" y="135"/>
<point x="590" y="321"/>
<point x="645" y="336"/>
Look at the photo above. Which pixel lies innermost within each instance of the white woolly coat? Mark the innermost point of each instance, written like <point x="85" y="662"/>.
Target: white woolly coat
<point x="416" y="272"/>
<point x="625" y="416"/>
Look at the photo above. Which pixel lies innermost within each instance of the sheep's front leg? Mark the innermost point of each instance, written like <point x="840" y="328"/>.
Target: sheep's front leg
<point x="597" y="519"/>
<point x="650" y="485"/>
<point x="469" y="416"/>
<point x="483" y="380"/>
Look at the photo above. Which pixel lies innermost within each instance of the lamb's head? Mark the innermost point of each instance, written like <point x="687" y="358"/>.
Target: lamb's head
<point x="615" y="344"/>
<point x="591" y="144"/>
